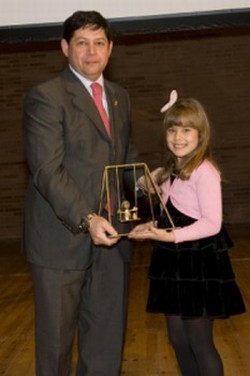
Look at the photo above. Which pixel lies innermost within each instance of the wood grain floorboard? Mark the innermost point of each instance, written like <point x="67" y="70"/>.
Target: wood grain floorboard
<point x="147" y="350"/>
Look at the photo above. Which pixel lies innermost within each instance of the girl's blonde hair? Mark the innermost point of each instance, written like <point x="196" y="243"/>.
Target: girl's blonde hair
<point x="188" y="112"/>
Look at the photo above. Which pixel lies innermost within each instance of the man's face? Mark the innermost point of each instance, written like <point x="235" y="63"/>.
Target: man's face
<point x="88" y="52"/>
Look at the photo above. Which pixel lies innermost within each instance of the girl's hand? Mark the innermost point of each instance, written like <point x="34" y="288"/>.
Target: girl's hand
<point x="145" y="184"/>
<point x="140" y="229"/>
<point x="149" y="231"/>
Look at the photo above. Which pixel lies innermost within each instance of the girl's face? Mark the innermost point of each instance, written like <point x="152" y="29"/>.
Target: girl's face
<point x="181" y="141"/>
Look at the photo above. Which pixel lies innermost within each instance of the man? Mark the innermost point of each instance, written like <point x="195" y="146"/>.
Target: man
<point x="79" y="265"/>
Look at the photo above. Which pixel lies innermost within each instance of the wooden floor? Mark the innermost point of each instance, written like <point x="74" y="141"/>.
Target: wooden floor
<point x="147" y="350"/>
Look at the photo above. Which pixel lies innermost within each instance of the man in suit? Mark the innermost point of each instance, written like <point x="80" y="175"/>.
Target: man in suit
<point x="79" y="271"/>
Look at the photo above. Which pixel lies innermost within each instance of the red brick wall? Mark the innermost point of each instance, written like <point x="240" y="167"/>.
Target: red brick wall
<point x="213" y="68"/>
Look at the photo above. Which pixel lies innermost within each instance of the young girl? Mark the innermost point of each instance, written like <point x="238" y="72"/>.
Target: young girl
<point x="191" y="277"/>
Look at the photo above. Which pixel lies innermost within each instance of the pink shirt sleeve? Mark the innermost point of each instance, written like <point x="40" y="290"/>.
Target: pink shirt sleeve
<point x="209" y="199"/>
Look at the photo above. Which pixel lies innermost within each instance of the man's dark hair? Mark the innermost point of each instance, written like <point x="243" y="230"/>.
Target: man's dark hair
<point x="83" y="19"/>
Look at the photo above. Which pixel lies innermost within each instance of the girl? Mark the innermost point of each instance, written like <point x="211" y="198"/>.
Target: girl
<point x="191" y="278"/>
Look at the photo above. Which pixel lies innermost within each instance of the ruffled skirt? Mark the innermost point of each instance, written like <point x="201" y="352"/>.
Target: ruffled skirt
<point x="193" y="278"/>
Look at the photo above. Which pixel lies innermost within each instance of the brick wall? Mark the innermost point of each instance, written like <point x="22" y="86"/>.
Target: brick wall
<point x="214" y="68"/>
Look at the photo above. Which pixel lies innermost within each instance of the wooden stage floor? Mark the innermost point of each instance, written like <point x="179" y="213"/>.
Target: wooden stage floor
<point x="147" y="350"/>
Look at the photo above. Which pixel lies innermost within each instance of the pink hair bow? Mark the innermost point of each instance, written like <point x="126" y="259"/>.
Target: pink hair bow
<point x="172" y="99"/>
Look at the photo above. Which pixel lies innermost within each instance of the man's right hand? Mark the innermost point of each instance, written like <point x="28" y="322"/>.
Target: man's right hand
<point x="102" y="232"/>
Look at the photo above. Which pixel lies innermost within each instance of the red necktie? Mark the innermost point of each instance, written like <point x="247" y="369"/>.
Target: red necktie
<point x="97" y="96"/>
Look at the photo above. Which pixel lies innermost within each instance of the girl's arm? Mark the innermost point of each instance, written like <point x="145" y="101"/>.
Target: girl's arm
<point x="209" y="196"/>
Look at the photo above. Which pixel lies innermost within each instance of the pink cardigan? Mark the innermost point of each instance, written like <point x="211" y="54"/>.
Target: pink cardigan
<point x="200" y="198"/>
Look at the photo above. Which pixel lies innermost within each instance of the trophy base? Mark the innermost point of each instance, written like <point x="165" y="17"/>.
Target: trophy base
<point x="118" y="235"/>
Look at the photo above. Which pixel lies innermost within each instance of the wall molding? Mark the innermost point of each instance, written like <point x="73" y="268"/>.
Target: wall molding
<point x="129" y="27"/>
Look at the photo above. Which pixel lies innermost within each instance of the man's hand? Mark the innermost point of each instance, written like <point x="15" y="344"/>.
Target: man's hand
<point x="101" y="232"/>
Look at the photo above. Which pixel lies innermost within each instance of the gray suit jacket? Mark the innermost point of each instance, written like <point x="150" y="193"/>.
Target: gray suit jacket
<point x="67" y="150"/>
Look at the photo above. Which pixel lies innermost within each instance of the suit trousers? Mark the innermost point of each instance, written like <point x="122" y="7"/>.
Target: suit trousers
<point x="92" y="302"/>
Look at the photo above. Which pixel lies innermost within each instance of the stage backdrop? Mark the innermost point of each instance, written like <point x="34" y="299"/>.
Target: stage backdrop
<point x="16" y="12"/>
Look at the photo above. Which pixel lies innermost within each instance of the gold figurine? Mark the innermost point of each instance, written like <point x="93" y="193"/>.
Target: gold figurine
<point x="127" y="214"/>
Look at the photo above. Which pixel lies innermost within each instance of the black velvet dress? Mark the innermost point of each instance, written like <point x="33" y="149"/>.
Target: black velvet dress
<point x="193" y="278"/>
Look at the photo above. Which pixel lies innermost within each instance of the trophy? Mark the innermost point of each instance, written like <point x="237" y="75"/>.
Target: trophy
<point x="127" y="209"/>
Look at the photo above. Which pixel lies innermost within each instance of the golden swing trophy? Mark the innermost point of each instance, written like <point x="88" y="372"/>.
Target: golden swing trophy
<point x="127" y="208"/>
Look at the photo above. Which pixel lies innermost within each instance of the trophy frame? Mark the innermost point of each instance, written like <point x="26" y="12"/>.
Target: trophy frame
<point x="125" y="212"/>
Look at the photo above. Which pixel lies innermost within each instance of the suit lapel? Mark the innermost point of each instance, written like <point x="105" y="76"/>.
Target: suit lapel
<point x="113" y="105"/>
<point x="83" y="102"/>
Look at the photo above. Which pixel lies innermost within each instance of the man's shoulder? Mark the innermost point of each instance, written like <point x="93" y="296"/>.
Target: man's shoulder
<point x="52" y="86"/>
<point x="45" y="85"/>
<point x="115" y="86"/>
<point x="56" y="80"/>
